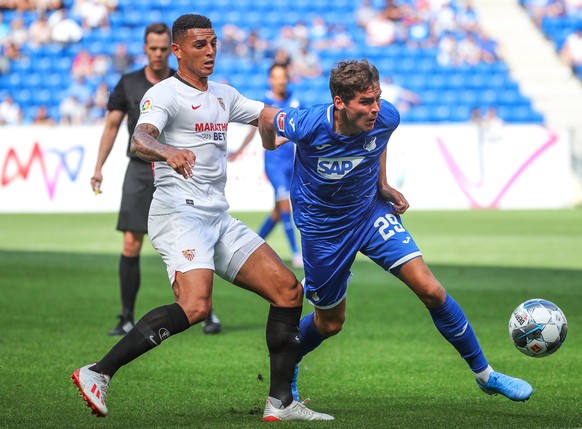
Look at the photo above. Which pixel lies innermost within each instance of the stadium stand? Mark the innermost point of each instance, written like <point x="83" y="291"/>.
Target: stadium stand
<point x="438" y="51"/>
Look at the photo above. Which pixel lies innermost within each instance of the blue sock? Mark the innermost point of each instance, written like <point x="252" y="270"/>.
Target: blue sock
<point x="308" y="335"/>
<point x="289" y="231"/>
<point x="267" y="227"/>
<point x="452" y="323"/>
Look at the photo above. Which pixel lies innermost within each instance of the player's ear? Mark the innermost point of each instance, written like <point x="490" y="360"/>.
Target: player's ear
<point x="338" y="103"/>
<point x="176" y="51"/>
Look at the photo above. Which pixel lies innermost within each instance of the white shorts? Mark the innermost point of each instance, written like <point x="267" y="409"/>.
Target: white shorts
<point x="194" y="239"/>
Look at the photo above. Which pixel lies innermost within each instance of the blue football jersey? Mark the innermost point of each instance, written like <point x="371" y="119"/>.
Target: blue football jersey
<point x="284" y="154"/>
<point x="335" y="177"/>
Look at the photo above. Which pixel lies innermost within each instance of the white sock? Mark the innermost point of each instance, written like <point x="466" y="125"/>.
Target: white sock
<point x="483" y="376"/>
<point x="276" y="403"/>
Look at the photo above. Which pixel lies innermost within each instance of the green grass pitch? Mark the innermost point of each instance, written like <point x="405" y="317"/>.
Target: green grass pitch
<point x="389" y="368"/>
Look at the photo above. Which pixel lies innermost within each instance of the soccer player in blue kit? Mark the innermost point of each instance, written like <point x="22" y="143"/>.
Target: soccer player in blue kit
<point x="343" y="204"/>
<point x="278" y="163"/>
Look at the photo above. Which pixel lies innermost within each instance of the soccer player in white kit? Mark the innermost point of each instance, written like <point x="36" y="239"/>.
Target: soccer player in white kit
<point x="182" y="129"/>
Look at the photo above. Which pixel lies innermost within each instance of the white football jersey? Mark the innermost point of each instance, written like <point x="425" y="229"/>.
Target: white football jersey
<point x="188" y="118"/>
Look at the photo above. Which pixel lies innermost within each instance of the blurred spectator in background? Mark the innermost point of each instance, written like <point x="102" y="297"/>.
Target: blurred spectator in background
<point x="340" y="37"/>
<point x="364" y="13"/>
<point x="443" y="18"/>
<point x="39" y="32"/>
<point x="288" y="41"/>
<point x="469" y="51"/>
<point x="101" y="65"/>
<point x="122" y="61"/>
<point x="10" y="112"/>
<point x="72" y="111"/>
<point x="98" y="104"/>
<point x="93" y="13"/>
<point x="12" y="51"/>
<point x="65" y="30"/>
<point x="18" y="32"/>
<point x="571" y="51"/>
<point x="256" y="46"/>
<point x="488" y="48"/>
<point x="39" y="5"/>
<point x="4" y="61"/>
<point x="41" y="116"/>
<point x="80" y="88"/>
<point x="399" y="96"/>
<point x="448" y="52"/>
<point x="380" y="30"/>
<point x="232" y="41"/>
<point x="538" y="9"/>
<point x="319" y="33"/>
<point x="82" y="64"/>
<point x="307" y="64"/>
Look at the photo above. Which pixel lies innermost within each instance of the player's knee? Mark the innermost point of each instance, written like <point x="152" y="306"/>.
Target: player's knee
<point x="290" y="291"/>
<point x="196" y="311"/>
<point x="330" y="328"/>
<point x="433" y="296"/>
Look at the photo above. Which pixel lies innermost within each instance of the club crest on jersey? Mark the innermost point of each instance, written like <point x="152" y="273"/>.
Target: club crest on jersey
<point x="336" y="168"/>
<point x="281" y="121"/>
<point x="146" y="105"/>
<point x="221" y="102"/>
<point x="189" y="254"/>
<point x="370" y="143"/>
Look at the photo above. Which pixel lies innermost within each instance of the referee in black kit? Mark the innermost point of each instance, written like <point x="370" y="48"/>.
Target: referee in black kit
<point x="138" y="186"/>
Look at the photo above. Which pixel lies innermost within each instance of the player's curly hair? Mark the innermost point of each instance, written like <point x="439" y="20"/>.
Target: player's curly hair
<point x="188" y="21"/>
<point x="351" y="76"/>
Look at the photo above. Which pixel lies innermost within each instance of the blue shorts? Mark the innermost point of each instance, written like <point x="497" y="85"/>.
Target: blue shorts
<point x="380" y="236"/>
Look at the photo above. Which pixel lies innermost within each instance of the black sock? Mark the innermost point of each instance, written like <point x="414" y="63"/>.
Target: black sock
<point x="149" y="332"/>
<point x="283" y="344"/>
<point x="129" y="280"/>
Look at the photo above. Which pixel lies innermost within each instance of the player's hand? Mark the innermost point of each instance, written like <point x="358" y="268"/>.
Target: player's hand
<point x="96" y="182"/>
<point x="182" y="162"/>
<point x="396" y="198"/>
<point x="280" y="140"/>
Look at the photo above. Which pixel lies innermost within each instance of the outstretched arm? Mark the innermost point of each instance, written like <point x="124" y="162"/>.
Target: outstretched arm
<point x="145" y="145"/>
<point x="267" y="129"/>
<point x="389" y="193"/>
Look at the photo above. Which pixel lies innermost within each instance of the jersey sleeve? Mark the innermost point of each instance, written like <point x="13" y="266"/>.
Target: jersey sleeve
<point x="291" y="123"/>
<point x="118" y="99"/>
<point x="242" y="109"/>
<point x="157" y="107"/>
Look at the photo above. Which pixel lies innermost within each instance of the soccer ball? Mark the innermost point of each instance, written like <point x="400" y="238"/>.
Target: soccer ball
<point x="538" y="328"/>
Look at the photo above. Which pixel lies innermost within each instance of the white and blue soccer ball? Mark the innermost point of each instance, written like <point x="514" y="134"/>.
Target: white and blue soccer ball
<point x="538" y="328"/>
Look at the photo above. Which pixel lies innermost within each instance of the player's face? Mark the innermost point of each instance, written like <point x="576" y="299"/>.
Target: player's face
<point x="360" y="113"/>
<point x="278" y="80"/>
<point x="157" y="50"/>
<point x="196" y="51"/>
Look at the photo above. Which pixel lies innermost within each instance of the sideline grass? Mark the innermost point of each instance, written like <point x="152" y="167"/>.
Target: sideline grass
<point x="389" y="368"/>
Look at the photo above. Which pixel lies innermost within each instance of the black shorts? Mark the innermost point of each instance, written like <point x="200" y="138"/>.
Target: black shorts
<point x="136" y="197"/>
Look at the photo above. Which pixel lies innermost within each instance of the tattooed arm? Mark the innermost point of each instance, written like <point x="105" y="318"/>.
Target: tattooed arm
<point x="145" y="145"/>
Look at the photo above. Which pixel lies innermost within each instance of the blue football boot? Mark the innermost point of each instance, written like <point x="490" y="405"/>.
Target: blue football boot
<point x="510" y="387"/>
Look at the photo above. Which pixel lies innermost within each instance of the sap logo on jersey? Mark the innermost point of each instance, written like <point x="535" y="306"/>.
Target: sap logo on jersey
<point x="336" y="168"/>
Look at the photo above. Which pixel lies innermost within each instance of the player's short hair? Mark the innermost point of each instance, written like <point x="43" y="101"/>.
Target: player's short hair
<point x="157" y="28"/>
<point x="351" y="76"/>
<point x="188" y="21"/>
